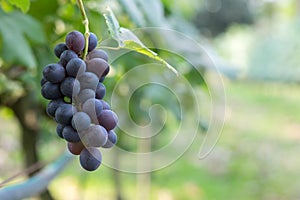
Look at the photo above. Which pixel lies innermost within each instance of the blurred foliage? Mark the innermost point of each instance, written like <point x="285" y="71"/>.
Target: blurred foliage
<point x="269" y="49"/>
<point x="216" y="16"/>
<point x="260" y="39"/>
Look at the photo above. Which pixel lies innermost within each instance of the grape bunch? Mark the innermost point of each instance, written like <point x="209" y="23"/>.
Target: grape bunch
<point x="75" y="89"/>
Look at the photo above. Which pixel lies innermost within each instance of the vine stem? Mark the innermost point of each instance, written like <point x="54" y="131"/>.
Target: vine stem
<point x="86" y="27"/>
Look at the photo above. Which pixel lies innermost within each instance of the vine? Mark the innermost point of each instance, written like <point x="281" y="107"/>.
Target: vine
<point x="86" y="27"/>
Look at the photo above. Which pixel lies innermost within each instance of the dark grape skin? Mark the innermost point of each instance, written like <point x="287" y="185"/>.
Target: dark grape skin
<point x="93" y="107"/>
<point x="43" y="81"/>
<point x="64" y="114"/>
<point x="53" y="105"/>
<point x="54" y="73"/>
<point x="59" y="130"/>
<point x="75" y="67"/>
<point x="81" y="121"/>
<point x="105" y="105"/>
<point x="75" y="41"/>
<point x="59" y="49"/>
<point x="66" y="56"/>
<point x="70" y="87"/>
<point x="98" y="66"/>
<point x="83" y="96"/>
<point x="93" y="41"/>
<point x="75" y="148"/>
<point x="51" y="91"/>
<point x="108" y="119"/>
<point x="88" y="80"/>
<point x="70" y="134"/>
<point x="94" y="136"/>
<point x="90" y="158"/>
<point x="102" y="79"/>
<point x="97" y="53"/>
<point x="100" y="91"/>
<point x="112" y="139"/>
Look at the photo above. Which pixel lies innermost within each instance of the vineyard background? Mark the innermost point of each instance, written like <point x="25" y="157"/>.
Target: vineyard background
<point x="255" y="46"/>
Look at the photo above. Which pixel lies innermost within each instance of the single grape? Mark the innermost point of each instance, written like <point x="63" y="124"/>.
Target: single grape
<point x="94" y="136"/>
<point x="108" y="119"/>
<point x="70" y="87"/>
<point x="59" y="130"/>
<point x="100" y="91"/>
<point x="75" y="67"/>
<point x="59" y="49"/>
<point x="93" y="107"/>
<point x="53" y="105"/>
<point x="105" y="105"/>
<point x="93" y="41"/>
<point x="83" y="96"/>
<point x="70" y="134"/>
<point x="90" y="158"/>
<point x="54" y="73"/>
<point x="64" y="114"/>
<point x="97" y="53"/>
<point x="51" y="91"/>
<point x="75" y="41"/>
<point x="75" y="148"/>
<point x="112" y="139"/>
<point x="88" y="80"/>
<point x="98" y="66"/>
<point x="66" y="56"/>
<point x="81" y="121"/>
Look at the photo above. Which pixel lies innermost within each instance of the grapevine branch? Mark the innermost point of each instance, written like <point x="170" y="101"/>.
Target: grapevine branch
<point x="86" y="27"/>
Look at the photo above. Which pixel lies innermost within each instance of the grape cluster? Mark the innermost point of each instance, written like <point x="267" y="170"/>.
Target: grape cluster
<point x="76" y="90"/>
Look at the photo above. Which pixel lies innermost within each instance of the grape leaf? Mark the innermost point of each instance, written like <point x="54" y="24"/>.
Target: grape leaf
<point x="22" y="4"/>
<point x="15" y="28"/>
<point x="128" y="40"/>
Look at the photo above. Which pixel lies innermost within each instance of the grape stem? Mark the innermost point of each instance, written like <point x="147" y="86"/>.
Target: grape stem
<point x="86" y="27"/>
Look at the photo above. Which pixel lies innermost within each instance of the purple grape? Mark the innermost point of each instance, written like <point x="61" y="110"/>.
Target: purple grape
<point x="59" y="49"/>
<point x="90" y="158"/>
<point x="93" y="107"/>
<point x="53" y="105"/>
<point x="75" y="148"/>
<point x="64" y="114"/>
<point x="84" y="95"/>
<point x="112" y="139"/>
<point x="108" y="119"/>
<point x="100" y="91"/>
<point x="75" y="67"/>
<point x="93" y="41"/>
<point x="75" y="41"/>
<point x="54" y="73"/>
<point x="94" y="136"/>
<point x="97" y="53"/>
<point x="70" y="87"/>
<point x="51" y="91"/>
<point x="98" y="66"/>
<point x="88" y="80"/>
<point x="59" y="130"/>
<point x="66" y="56"/>
<point x="105" y="105"/>
<point x="43" y="81"/>
<point x="70" y="134"/>
<point x="81" y="121"/>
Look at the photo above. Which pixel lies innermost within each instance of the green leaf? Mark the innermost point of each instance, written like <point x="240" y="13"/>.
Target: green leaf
<point x="24" y="5"/>
<point x="128" y="40"/>
<point x="15" y="28"/>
